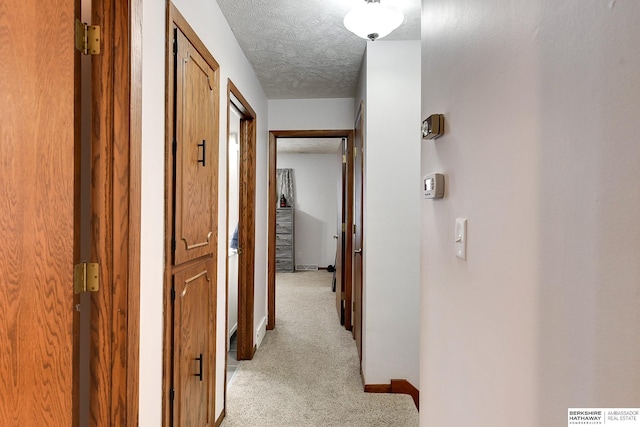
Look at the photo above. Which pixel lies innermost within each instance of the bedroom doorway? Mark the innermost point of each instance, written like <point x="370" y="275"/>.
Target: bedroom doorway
<point x="343" y="258"/>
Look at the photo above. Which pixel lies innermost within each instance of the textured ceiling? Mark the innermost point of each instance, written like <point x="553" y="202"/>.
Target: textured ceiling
<point x="309" y="145"/>
<point x="300" y="48"/>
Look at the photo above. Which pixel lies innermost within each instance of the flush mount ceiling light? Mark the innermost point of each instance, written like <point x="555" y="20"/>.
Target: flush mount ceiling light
<point x="373" y="20"/>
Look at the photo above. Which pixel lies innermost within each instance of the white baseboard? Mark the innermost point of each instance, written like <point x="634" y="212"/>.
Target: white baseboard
<point x="260" y="333"/>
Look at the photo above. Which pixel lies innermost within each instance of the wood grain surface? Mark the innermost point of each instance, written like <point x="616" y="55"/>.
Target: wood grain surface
<point x="37" y="132"/>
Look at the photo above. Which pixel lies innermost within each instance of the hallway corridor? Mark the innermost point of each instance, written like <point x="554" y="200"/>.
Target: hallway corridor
<point x="306" y="372"/>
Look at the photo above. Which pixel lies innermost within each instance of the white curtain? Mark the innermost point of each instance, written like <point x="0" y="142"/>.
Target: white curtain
<point x="286" y="186"/>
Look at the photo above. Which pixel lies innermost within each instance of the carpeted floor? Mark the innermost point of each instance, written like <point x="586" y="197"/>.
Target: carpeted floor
<point x="306" y="372"/>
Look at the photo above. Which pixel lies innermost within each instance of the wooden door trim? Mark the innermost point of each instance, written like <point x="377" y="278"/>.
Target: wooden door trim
<point x="357" y="330"/>
<point x="116" y="165"/>
<point x="246" y="228"/>
<point x="174" y="16"/>
<point x="272" y="199"/>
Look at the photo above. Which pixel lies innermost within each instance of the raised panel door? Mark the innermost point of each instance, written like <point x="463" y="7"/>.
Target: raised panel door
<point x="196" y="153"/>
<point x="194" y="345"/>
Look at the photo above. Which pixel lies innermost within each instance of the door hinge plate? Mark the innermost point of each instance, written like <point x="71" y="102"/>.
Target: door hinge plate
<point x="87" y="38"/>
<point x="344" y="159"/>
<point x="86" y="277"/>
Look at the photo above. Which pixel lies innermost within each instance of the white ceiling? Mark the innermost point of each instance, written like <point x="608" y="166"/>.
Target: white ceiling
<point x="300" y="48"/>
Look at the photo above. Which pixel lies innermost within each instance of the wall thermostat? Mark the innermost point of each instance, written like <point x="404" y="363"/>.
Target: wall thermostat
<point x="433" y="186"/>
<point x="433" y="126"/>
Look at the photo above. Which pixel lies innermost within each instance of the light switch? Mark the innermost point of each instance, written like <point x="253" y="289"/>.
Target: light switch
<point x="461" y="238"/>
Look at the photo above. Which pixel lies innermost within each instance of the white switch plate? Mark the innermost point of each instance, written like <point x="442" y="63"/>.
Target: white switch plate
<point x="461" y="238"/>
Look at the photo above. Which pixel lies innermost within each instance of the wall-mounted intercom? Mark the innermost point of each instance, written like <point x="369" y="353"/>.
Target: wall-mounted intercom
<point x="433" y="186"/>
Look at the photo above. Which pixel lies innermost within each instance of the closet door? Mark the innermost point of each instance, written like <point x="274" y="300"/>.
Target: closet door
<point x="194" y="344"/>
<point x="192" y="221"/>
<point x="196" y="154"/>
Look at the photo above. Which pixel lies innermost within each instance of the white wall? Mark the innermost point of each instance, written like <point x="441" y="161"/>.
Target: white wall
<point x="391" y="247"/>
<point x="152" y="212"/>
<point x="316" y="211"/>
<point x="361" y="87"/>
<point x="541" y="152"/>
<point x="311" y="114"/>
<point x="209" y="23"/>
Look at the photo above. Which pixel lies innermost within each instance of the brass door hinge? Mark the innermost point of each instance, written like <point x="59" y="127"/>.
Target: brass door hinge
<point x="85" y="277"/>
<point x="87" y="38"/>
<point x="344" y="159"/>
<point x="355" y="152"/>
<point x="344" y="227"/>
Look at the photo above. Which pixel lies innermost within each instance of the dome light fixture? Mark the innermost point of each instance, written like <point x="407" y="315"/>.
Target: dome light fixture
<point x="373" y="20"/>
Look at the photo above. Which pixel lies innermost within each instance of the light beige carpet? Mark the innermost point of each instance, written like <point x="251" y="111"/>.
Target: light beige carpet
<point x="306" y="372"/>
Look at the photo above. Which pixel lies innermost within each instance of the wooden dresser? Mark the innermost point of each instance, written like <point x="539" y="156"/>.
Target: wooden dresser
<point x="284" y="239"/>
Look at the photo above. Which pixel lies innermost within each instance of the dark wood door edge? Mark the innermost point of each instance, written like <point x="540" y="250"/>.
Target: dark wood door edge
<point x="396" y="386"/>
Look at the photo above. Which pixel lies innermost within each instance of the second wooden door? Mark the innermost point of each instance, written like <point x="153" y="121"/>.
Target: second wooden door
<point x="192" y="217"/>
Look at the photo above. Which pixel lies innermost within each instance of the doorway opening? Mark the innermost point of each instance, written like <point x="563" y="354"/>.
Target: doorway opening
<point x="233" y="247"/>
<point x="242" y="118"/>
<point x="343" y="247"/>
<point x="240" y="231"/>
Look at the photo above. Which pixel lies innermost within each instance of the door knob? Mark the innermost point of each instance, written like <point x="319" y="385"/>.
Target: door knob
<point x="358" y="251"/>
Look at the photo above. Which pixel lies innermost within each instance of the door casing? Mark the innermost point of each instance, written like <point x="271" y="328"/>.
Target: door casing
<point x="116" y="193"/>
<point x="358" y="231"/>
<point x="246" y="225"/>
<point x="273" y="196"/>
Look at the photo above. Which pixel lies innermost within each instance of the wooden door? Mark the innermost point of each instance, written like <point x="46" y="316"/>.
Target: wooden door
<point x="358" y="170"/>
<point x="196" y="153"/>
<point x="192" y="180"/>
<point x="38" y="132"/>
<point x="194" y="344"/>
<point x="344" y="299"/>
